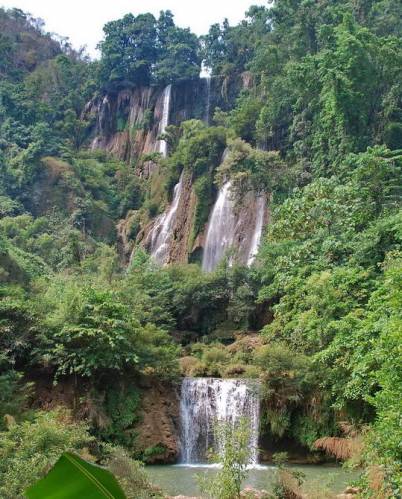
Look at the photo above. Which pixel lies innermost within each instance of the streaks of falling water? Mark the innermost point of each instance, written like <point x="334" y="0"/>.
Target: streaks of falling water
<point x="208" y="99"/>
<point x="163" y="227"/>
<point x="165" y="119"/>
<point x="221" y="229"/>
<point x="206" y="400"/>
<point x="259" y="222"/>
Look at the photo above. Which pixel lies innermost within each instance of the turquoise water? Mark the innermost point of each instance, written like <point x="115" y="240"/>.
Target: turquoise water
<point x="180" y="479"/>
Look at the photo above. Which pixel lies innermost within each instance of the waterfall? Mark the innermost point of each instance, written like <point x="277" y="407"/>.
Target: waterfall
<point x="208" y="99"/>
<point x="165" y="119"/>
<point x="206" y="400"/>
<point x="163" y="227"/>
<point x="221" y="228"/>
<point x="255" y="242"/>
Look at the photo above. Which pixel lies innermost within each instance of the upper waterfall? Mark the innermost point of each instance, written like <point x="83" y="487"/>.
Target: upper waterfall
<point x="165" y="119"/>
<point x="163" y="227"/>
<point x="208" y="99"/>
<point x="207" y="400"/>
<point x="221" y="228"/>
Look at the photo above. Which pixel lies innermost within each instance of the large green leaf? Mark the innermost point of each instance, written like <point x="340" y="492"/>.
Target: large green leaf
<point x="73" y="478"/>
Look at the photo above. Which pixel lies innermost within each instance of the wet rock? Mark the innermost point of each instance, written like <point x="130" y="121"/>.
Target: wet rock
<point x="251" y="493"/>
<point x="352" y="490"/>
<point x="349" y="493"/>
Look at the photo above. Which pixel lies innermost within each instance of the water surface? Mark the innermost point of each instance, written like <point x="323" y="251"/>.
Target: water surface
<point x="180" y="479"/>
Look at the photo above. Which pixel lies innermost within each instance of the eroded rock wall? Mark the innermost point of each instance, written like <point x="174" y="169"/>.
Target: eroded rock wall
<point x="127" y="123"/>
<point x="182" y="225"/>
<point x="158" y="431"/>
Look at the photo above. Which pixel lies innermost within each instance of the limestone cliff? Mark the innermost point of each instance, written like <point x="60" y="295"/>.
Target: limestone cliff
<point x="129" y="124"/>
<point x="178" y="231"/>
<point x="240" y="235"/>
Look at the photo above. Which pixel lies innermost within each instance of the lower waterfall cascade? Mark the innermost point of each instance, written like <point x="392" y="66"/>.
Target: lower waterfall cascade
<point x="221" y="227"/>
<point x="206" y="400"/>
<point x="163" y="227"/>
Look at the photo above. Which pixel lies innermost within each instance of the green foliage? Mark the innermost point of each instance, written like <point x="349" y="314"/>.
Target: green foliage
<point x="121" y="408"/>
<point x="384" y="320"/>
<point x="14" y="397"/>
<point x="72" y="475"/>
<point x="17" y="327"/>
<point x="233" y="455"/>
<point x="289" y="391"/>
<point x="99" y="334"/>
<point x="198" y="151"/>
<point x="200" y="148"/>
<point x="29" y="449"/>
<point x="91" y="330"/>
<point x="155" y="450"/>
<point x="286" y="480"/>
<point x="227" y="49"/>
<point x="316" y="127"/>
<point x="332" y="84"/>
<point x="24" y="44"/>
<point x="131" y="475"/>
<point x="140" y="50"/>
<point x="253" y="169"/>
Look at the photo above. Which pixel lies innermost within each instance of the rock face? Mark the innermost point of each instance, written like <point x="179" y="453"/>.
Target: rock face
<point x="176" y="243"/>
<point x="158" y="431"/>
<point x="235" y="224"/>
<point x="129" y="123"/>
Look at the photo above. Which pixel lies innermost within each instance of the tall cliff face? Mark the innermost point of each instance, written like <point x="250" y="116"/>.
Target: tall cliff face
<point x="129" y="124"/>
<point x="234" y="228"/>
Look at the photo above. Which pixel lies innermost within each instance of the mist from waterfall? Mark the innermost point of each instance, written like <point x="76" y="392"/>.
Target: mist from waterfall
<point x="205" y="401"/>
<point x="221" y="228"/>
<point x="165" y="119"/>
<point x="163" y="227"/>
<point x="256" y="239"/>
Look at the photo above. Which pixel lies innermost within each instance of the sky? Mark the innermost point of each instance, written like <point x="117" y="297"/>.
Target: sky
<point x="82" y="20"/>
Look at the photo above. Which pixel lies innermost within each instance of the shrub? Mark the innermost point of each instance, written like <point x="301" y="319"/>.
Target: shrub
<point x="121" y="407"/>
<point x="14" y="396"/>
<point x="130" y="474"/>
<point x="234" y="455"/>
<point x="29" y="449"/>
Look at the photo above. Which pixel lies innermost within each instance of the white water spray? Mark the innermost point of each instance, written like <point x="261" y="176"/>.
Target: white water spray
<point x="165" y="119"/>
<point x="207" y="400"/>
<point x="221" y="229"/>
<point x="208" y="99"/>
<point x="163" y="228"/>
<point x="259" y="222"/>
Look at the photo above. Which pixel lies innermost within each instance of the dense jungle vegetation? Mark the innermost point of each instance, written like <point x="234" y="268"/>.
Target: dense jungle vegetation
<point x="320" y="130"/>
